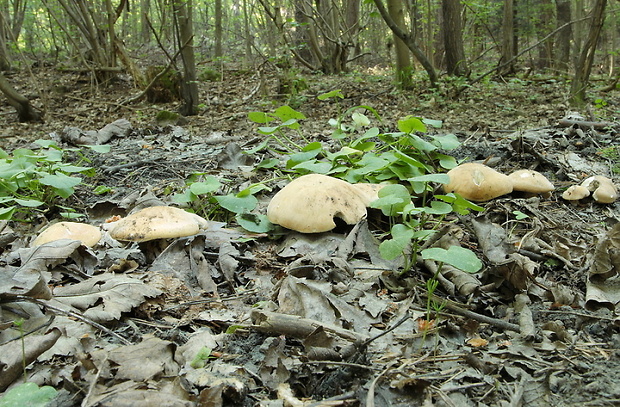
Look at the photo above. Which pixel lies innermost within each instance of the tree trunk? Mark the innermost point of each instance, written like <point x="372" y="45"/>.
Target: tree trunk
<point x="586" y="58"/>
<point x="543" y="26"/>
<point x="189" y="87"/>
<point x="404" y="69"/>
<point x="25" y="111"/>
<point x="562" y="42"/>
<point x="508" y="39"/>
<point x="409" y="40"/>
<point x="218" y="29"/>
<point x="453" y="38"/>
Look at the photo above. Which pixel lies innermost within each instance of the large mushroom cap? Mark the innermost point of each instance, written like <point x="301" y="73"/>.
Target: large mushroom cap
<point x="477" y="182"/>
<point x="530" y="181"/>
<point x="310" y="203"/>
<point x="87" y="234"/>
<point x="602" y="188"/>
<point x="157" y="222"/>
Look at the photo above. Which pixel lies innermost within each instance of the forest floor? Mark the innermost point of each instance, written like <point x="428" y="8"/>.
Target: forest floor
<point x="205" y="320"/>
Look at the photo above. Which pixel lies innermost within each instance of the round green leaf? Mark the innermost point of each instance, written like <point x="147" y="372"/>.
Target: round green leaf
<point x="456" y="256"/>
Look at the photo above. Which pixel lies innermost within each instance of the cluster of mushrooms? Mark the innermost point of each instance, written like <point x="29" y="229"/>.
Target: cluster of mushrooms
<point x="152" y="223"/>
<point x="310" y="203"/>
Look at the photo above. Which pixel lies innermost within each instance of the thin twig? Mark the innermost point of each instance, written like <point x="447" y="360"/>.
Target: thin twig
<point x="74" y="315"/>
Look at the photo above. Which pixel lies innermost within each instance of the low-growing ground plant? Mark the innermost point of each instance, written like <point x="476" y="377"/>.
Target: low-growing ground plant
<point x="36" y="180"/>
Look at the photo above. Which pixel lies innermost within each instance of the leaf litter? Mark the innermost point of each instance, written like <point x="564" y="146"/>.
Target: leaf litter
<point x="232" y="318"/>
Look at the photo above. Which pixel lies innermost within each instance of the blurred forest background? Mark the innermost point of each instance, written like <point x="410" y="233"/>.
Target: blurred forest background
<point x="178" y="43"/>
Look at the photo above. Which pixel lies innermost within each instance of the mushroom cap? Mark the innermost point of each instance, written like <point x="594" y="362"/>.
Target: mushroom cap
<point x="87" y="234"/>
<point x="530" y="181"/>
<point x="477" y="182"/>
<point x="368" y="192"/>
<point x="604" y="190"/>
<point x="309" y="204"/>
<point x="157" y="222"/>
<point x="575" y="193"/>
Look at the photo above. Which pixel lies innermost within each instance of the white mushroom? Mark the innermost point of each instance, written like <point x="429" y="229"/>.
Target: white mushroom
<point x="602" y="188"/>
<point x="87" y="234"/>
<point x="575" y="193"/>
<point x="530" y="181"/>
<point x="310" y="203"/>
<point x="157" y="222"/>
<point x="477" y="182"/>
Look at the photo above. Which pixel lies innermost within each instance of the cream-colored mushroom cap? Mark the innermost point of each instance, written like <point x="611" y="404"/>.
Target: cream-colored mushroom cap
<point x="87" y="234"/>
<point x="310" y="203"/>
<point x="602" y="188"/>
<point x="477" y="182"/>
<point x="368" y="192"/>
<point x="575" y="193"/>
<point x="530" y="181"/>
<point x="157" y="222"/>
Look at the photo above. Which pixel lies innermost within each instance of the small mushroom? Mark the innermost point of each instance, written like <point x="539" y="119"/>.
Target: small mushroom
<point x="575" y="193"/>
<point x="157" y="222"/>
<point x="602" y="188"/>
<point x="87" y="234"/>
<point x="477" y="182"/>
<point x="310" y="203"/>
<point x="530" y="181"/>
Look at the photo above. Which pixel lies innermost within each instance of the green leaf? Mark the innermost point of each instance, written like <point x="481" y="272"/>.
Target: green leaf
<point x="519" y="215"/>
<point x="201" y="358"/>
<point x="400" y="241"/>
<point x="46" y="143"/>
<point x="438" y="208"/>
<point x="286" y="113"/>
<point x="103" y="148"/>
<point x="7" y="213"/>
<point x="3" y="154"/>
<point x="28" y="394"/>
<point x="392" y="199"/>
<point x="315" y="166"/>
<point x="268" y="163"/>
<point x="333" y="94"/>
<point x="209" y="185"/>
<point x="102" y="189"/>
<point x="252" y="222"/>
<point x="440" y="178"/>
<point x="459" y="204"/>
<point x="268" y="130"/>
<point x="260" y="117"/>
<point x="261" y="146"/>
<point x="371" y="163"/>
<point x="237" y="204"/>
<point x="29" y="203"/>
<point x="456" y="256"/>
<point x="62" y="184"/>
<point x="447" y="141"/>
<point x="185" y="197"/>
<point x="446" y="161"/>
<point x="411" y="124"/>
<point x="71" y="168"/>
<point x="435" y="123"/>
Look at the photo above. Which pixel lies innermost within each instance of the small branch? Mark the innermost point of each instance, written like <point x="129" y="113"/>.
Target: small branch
<point x="74" y="315"/>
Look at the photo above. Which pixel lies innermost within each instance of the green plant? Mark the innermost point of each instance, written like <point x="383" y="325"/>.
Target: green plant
<point x="410" y="159"/>
<point x="40" y="179"/>
<point x="199" y="194"/>
<point x="613" y="155"/>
